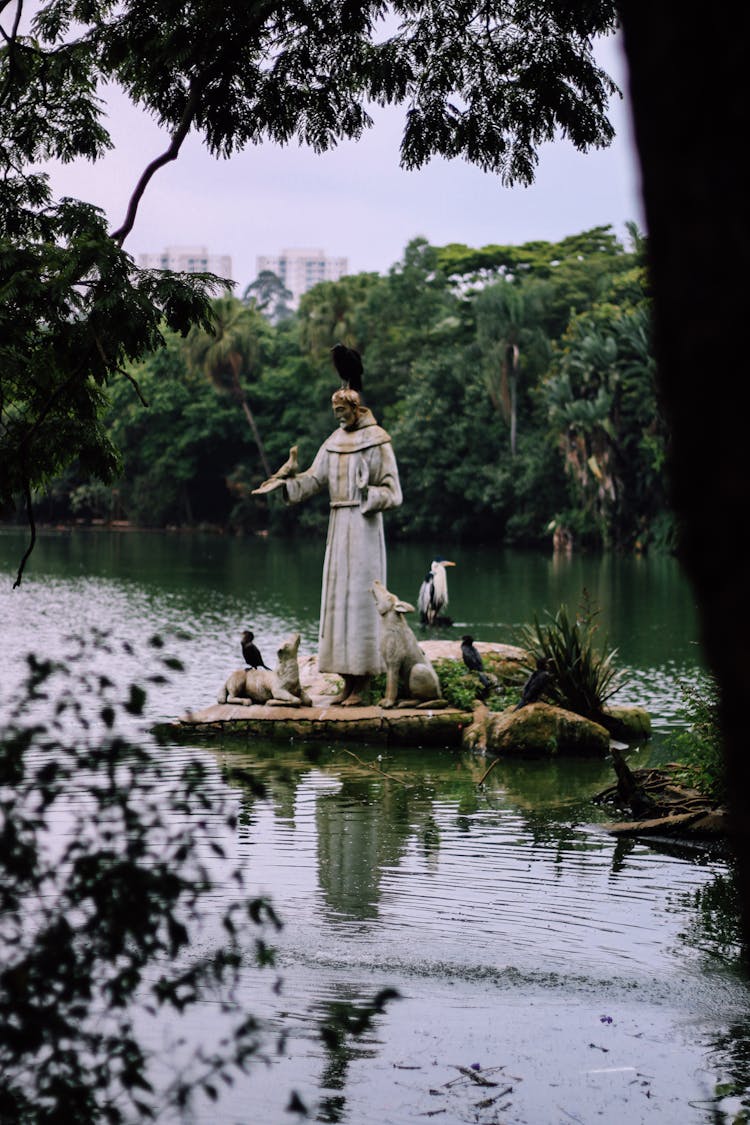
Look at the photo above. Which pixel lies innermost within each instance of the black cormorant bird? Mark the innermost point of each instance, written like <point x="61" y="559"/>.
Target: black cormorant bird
<point x="250" y="652"/>
<point x="473" y="660"/>
<point x="536" y="685"/>
<point x="433" y="594"/>
<point x="348" y="363"/>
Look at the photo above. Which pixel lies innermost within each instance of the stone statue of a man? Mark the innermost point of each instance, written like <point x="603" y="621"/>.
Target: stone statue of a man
<point x="358" y="465"/>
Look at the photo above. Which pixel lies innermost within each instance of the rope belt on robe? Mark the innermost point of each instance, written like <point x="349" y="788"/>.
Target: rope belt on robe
<point x="344" y="504"/>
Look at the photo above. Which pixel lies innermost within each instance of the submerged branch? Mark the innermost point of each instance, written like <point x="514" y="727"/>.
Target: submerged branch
<point x="377" y="769"/>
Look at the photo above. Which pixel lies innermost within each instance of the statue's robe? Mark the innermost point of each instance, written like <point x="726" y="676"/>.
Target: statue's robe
<point x="359" y="468"/>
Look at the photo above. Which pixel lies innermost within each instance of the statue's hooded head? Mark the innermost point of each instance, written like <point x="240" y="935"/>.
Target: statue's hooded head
<point x="347" y="406"/>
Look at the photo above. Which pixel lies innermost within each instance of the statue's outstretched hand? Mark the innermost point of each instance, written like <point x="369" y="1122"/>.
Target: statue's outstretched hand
<point x="269" y="485"/>
<point x="288" y="469"/>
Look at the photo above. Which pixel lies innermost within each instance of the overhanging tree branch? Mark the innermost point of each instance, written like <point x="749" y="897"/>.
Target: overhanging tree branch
<point x="166" y="157"/>
<point x="11" y="42"/>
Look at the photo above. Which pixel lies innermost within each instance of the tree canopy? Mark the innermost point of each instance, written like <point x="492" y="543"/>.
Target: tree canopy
<point x="488" y="84"/>
<point x="515" y="401"/>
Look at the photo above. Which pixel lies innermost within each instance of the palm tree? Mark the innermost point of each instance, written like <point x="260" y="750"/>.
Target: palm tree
<point x="508" y="319"/>
<point x="328" y="313"/>
<point x="229" y="351"/>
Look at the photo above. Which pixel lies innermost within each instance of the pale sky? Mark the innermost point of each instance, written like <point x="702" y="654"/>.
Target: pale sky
<point x="353" y="202"/>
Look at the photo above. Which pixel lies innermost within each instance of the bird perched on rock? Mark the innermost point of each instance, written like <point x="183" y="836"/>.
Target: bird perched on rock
<point x="250" y="652"/>
<point x="289" y="468"/>
<point x="348" y="363"/>
<point x="536" y="685"/>
<point x="433" y="594"/>
<point x="473" y="660"/>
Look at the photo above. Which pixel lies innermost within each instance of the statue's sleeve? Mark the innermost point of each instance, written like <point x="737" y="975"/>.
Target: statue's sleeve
<point x="310" y="482"/>
<point x="384" y="488"/>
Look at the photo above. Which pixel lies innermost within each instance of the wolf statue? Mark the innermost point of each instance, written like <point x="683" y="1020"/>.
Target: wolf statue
<point x="408" y="670"/>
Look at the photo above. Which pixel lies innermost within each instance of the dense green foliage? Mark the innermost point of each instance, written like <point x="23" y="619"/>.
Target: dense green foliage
<point x="700" y="749"/>
<point x="75" y="309"/>
<point x="457" y="684"/>
<point x="568" y="434"/>
<point x="584" y="674"/>
<point x="462" y="688"/>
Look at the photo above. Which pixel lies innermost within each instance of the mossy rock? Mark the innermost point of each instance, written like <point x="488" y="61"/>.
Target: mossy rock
<point x="538" y="730"/>
<point x="627" y="724"/>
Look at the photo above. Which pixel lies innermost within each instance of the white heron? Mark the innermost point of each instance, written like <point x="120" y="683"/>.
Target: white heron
<point x="433" y="594"/>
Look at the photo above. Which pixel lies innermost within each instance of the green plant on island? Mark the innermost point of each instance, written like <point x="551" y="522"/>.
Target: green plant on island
<point x="461" y="688"/>
<point x="699" y="750"/>
<point x="584" y="676"/>
<point x="458" y="685"/>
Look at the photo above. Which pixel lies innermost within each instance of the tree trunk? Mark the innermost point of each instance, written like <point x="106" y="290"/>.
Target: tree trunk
<point x="256" y="434"/>
<point x="688" y="84"/>
<point x="513" y="370"/>
<point x="235" y="362"/>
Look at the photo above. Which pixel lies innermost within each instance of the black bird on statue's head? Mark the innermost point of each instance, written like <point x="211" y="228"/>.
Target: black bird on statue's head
<point x="473" y="660"/>
<point x="536" y="685"/>
<point x="250" y="652"/>
<point x="348" y="363"/>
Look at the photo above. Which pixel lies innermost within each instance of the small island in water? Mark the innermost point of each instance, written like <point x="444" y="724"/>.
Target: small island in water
<point x="483" y="716"/>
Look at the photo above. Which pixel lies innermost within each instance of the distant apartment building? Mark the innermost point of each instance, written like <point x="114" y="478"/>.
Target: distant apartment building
<point x="300" y="269"/>
<point x="188" y="259"/>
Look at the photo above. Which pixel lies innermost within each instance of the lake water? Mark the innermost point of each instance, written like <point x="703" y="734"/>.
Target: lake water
<point x="589" y="979"/>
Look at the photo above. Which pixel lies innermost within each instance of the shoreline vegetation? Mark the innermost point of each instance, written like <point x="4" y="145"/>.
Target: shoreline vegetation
<point x="528" y="370"/>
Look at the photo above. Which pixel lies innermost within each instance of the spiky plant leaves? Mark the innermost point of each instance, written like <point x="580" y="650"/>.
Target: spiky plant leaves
<point x="585" y="675"/>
